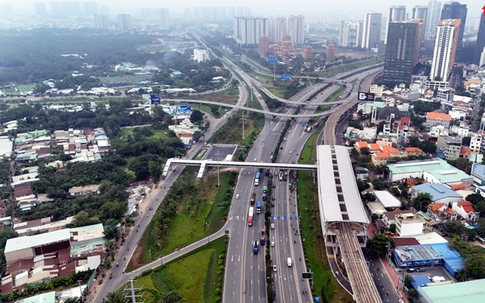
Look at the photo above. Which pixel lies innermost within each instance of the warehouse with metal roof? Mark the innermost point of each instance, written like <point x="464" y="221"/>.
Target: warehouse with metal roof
<point x="463" y="292"/>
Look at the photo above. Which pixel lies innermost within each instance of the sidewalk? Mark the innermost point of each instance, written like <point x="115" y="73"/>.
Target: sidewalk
<point x="393" y="276"/>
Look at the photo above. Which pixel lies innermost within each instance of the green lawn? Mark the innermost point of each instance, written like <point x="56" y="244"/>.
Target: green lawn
<point x="197" y="276"/>
<point x="201" y="212"/>
<point x="314" y="246"/>
<point x="348" y="67"/>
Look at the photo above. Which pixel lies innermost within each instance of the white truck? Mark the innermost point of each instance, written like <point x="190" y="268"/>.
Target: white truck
<point x="289" y="262"/>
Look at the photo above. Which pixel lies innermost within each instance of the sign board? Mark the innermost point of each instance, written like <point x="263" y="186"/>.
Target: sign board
<point x="366" y="96"/>
<point x="285" y="77"/>
<point x="155" y="99"/>
<point x="272" y="59"/>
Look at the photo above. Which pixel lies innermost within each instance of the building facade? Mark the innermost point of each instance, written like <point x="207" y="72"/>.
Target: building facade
<point x="124" y="22"/>
<point x="445" y="48"/>
<point x="247" y="31"/>
<point x="164" y="19"/>
<point x="351" y="33"/>
<point x="277" y="28"/>
<point x="263" y="46"/>
<point x="371" y="32"/>
<point x="434" y="14"/>
<point x="479" y="48"/>
<point x="296" y="29"/>
<point x="402" y="51"/>
<point x="101" y="21"/>
<point x="457" y="11"/>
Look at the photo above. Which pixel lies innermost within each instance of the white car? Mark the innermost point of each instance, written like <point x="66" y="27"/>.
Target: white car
<point x="275" y="268"/>
<point x="272" y="243"/>
<point x="237" y="196"/>
<point x="290" y="151"/>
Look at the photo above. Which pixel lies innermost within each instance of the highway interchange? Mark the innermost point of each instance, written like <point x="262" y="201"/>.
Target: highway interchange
<point x="245" y="275"/>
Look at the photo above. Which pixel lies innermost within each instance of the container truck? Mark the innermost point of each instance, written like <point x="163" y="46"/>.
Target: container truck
<point x="250" y="216"/>
<point x="256" y="180"/>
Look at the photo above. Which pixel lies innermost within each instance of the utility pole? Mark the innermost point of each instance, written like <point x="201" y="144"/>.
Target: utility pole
<point x="132" y="294"/>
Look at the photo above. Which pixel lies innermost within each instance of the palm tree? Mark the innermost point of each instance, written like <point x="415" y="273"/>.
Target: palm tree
<point x="116" y="297"/>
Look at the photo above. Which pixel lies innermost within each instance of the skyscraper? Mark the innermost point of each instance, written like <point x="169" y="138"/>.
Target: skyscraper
<point x="277" y="28"/>
<point x="351" y="33"/>
<point x="445" y="48"/>
<point x="455" y="10"/>
<point x="164" y="19"/>
<point x="434" y="13"/>
<point x="371" y="33"/>
<point x="296" y="28"/>
<point x="124" y="22"/>
<point x="402" y="51"/>
<point x="396" y="13"/>
<point x="480" y="41"/>
<point x="420" y="12"/>
<point x="247" y="30"/>
<point x="101" y="21"/>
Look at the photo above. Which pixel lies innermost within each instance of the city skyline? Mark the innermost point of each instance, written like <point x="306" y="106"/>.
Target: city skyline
<point x="266" y="8"/>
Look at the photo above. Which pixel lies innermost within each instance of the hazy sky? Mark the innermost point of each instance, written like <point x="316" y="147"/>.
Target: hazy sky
<point x="262" y="8"/>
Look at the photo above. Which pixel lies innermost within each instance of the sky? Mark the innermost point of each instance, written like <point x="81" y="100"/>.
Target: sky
<point x="262" y="8"/>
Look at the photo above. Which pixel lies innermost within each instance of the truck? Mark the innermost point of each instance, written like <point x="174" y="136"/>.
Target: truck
<point x="266" y="173"/>
<point x="289" y="262"/>
<point x="265" y="189"/>
<point x="256" y="179"/>
<point x="250" y="216"/>
<point x="255" y="247"/>
<point x="253" y="199"/>
<point x="262" y="239"/>
<point x="264" y="197"/>
<point x="258" y="207"/>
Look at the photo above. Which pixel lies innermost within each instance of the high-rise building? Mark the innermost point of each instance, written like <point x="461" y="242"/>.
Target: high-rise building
<point x="371" y="33"/>
<point x="351" y="33"/>
<point x="164" y="19"/>
<point x="455" y="10"/>
<point x="263" y="46"/>
<point x="40" y="9"/>
<point x="479" y="48"/>
<point x="420" y="12"/>
<point x="330" y="52"/>
<point x="402" y="51"/>
<point x="187" y="14"/>
<point x="90" y="8"/>
<point x="101" y="21"/>
<point x="201" y="55"/>
<point x="296" y="29"/>
<point x="434" y="14"/>
<point x="247" y="30"/>
<point x="445" y="48"/>
<point x="124" y="22"/>
<point x="277" y="28"/>
<point x="396" y="13"/>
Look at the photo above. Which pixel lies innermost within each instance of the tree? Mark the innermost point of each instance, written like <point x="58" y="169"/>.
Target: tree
<point x="413" y="294"/>
<point x="466" y="141"/>
<point x="474" y="198"/>
<point x="116" y="297"/>
<point x="196" y="116"/>
<point x="454" y="227"/>
<point x="378" y="245"/>
<point x="392" y="228"/>
<point x="421" y="201"/>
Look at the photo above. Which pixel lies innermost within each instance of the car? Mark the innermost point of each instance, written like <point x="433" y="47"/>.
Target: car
<point x="272" y="243"/>
<point x="275" y="268"/>
<point x="237" y="196"/>
<point x="411" y="270"/>
<point x="420" y="269"/>
<point x="290" y="151"/>
<point x="272" y="197"/>
<point x="270" y="153"/>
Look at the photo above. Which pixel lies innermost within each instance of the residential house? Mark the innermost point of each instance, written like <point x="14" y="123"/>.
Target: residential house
<point x="435" y="118"/>
<point x="410" y="224"/>
<point x="79" y="191"/>
<point x="451" y="147"/>
<point x="412" y="151"/>
<point x="440" y="212"/>
<point x="389" y="217"/>
<point x="466" y="211"/>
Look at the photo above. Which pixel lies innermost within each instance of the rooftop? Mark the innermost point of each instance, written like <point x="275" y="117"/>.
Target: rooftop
<point x="437" y="191"/>
<point x="436" y="115"/>
<point x="341" y="202"/>
<point x="469" y="292"/>
<point x="439" y="168"/>
<point x="387" y="199"/>
<point x="20" y="243"/>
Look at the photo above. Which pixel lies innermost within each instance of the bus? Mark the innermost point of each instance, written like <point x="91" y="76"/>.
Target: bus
<point x="258" y="207"/>
<point x="250" y="216"/>
<point x="256" y="180"/>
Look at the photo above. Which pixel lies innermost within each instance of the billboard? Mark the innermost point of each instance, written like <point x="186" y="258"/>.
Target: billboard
<point x="285" y="77"/>
<point x="272" y="59"/>
<point x="366" y="96"/>
<point x="155" y="99"/>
